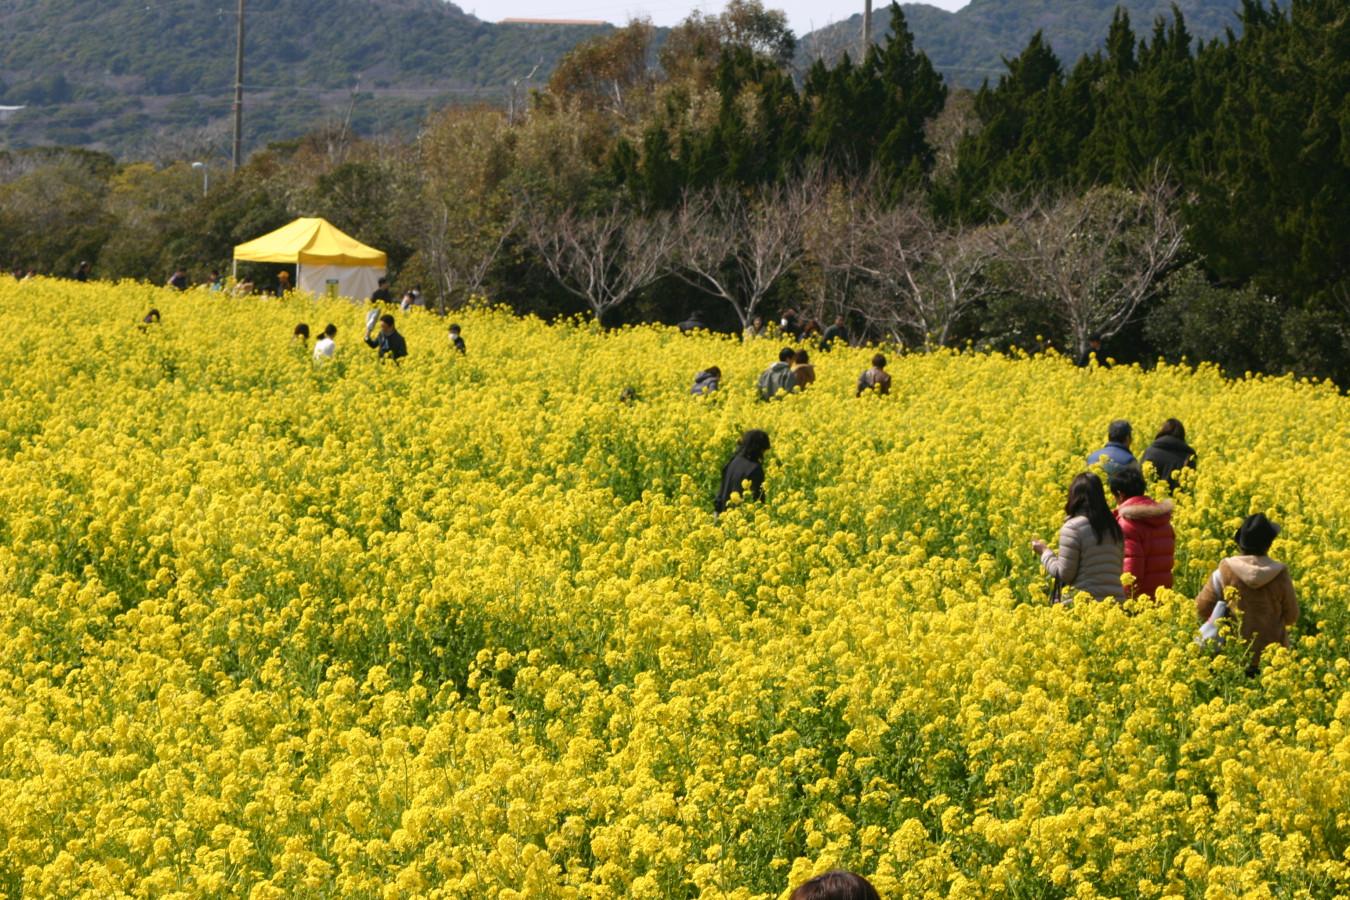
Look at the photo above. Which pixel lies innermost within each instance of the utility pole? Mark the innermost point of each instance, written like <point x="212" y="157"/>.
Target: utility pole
<point x="237" y="156"/>
<point x="867" y="30"/>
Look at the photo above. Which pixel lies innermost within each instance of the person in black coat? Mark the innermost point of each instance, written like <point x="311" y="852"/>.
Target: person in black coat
<point x="388" y="342"/>
<point x="1169" y="452"/>
<point x="693" y="323"/>
<point x="1093" y="353"/>
<point x="746" y="465"/>
<point x="836" y="332"/>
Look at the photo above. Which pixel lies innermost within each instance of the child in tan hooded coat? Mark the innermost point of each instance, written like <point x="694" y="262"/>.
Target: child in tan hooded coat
<point x="1264" y="590"/>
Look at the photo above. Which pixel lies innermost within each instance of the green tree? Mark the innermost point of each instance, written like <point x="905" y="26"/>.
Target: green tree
<point x="51" y="212"/>
<point x="146" y="206"/>
<point x="1271" y="198"/>
<point x="874" y="115"/>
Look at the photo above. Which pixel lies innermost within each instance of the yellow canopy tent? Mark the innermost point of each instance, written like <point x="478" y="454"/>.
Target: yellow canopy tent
<point x="327" y="261"/>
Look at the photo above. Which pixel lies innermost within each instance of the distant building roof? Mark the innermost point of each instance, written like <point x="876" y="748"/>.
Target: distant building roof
<point x="587" y="22"/>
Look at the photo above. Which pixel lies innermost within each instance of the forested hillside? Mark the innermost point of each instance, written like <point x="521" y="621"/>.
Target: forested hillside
<point x="136" y="78"/>
<point x="969" y="45"/>
<point x="122" y="73"/>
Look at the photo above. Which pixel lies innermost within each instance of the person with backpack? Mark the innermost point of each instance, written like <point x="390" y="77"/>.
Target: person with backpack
<point x="746" y="465"/>
<point x="1263" y="588"/>
<point x="1170" y="453"/>
<point x="709" y="381"/>
<point x="779" y="377"/>
<point x="1150" y="542"/>
<point x="1091" y="553"/>
<point x="875" y="378"/>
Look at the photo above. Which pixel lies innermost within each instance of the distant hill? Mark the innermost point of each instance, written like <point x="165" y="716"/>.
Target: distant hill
<point x="155" y="77"/>
<point x="126" y="73"/>
<point x="969" y="45"/>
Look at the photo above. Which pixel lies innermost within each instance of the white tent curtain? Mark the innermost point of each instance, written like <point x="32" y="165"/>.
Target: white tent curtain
<point x="352" y="282"/>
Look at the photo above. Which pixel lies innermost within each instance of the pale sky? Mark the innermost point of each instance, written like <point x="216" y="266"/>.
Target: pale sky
<point x="804" y="15"/>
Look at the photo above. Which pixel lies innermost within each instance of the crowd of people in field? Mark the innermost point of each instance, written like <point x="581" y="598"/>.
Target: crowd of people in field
<point x="1105" y="551"/>
<point x="381" y="333"/>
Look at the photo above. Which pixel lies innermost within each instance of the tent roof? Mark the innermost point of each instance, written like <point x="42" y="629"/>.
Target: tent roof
<point x="313" y="242"/>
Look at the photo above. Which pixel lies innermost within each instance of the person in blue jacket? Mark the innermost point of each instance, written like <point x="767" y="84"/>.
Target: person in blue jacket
<point x="1116" y="454"/>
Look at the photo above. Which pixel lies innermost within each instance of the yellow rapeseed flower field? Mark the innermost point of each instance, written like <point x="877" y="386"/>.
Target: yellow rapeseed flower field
<point x="467" y="627"/>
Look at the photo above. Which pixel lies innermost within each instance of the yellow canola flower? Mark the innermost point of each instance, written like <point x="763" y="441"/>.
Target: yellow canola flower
<point x="467" y="627"/>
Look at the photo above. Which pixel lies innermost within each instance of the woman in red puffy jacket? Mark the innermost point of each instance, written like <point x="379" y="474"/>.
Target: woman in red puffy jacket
<point x="1150" y="543"/>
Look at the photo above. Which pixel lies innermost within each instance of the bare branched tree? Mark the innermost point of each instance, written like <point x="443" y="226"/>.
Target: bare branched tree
<point x="462" y="241"/>
<point x="927" y="277"/>
<point x="736" y="248"/>
<point x="1093" y="258"/>
<point x="606" y="258"/>
<point x="831" y="267"/>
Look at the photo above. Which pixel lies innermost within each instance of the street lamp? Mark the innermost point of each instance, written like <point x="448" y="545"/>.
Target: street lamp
<point x="206" y="176"/>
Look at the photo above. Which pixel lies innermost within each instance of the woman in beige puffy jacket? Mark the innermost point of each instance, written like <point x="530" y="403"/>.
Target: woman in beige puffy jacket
<point x="1091" y="553"/>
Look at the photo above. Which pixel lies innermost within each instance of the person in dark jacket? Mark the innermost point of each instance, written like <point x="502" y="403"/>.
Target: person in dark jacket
<point x="381" y="293"/>
<point x="389" y="342"/>
<point x="707" y="382"/>
<point x="1170" y="453"/>
<point x="875" y="378"/>
<point x="457" y="340"/>
<point x="836" y="332"/>
<point x="1093" y="354"/>
<point x="82" y="272"/>
<point x="836" y="885"/>
<point x="1150" y="542"/>
<point x="693" y="323"/>
<point x="746" y="466"/>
